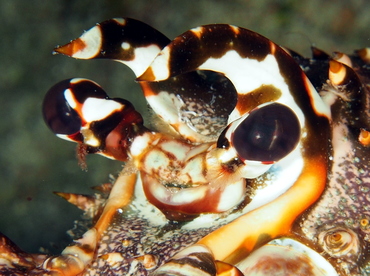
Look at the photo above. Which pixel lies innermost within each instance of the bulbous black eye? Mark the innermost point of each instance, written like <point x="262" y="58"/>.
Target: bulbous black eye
<point x="268" y="134"/>
<point x="60" y="117"/>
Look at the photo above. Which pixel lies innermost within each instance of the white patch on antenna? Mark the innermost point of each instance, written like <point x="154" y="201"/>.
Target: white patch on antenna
<point x="143" y="58"/>
<point x="95" y="109"/>
<point x="93" y="41"/>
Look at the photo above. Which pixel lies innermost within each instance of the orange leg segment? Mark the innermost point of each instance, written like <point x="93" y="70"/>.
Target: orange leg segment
<point x="75" y="258"/>
<point x="272" y="220"/>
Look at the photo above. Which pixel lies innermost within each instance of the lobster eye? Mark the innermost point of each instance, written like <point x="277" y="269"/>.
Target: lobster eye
<point x="60" y="117"/>
<point x="268" y="134"/>
<point x="62" y="101"/>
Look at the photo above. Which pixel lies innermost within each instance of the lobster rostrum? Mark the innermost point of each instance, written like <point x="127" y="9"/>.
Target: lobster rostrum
<point x="249" y="169"/>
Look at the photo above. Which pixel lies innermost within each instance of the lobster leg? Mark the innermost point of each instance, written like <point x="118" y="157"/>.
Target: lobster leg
<point x="75" y="258"/>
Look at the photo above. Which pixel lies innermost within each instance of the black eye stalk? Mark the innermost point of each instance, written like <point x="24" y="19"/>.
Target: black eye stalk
<point x="266" y="134"/>
<point x="58" y="114"/>
<point x="79" y="110"/>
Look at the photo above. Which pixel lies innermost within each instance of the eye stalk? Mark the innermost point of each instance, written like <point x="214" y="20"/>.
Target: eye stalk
<point x="250" y="145"/>
<point x="79" y="110"/>
<point x="266" y="134"/>
<point x="58" y="114"/>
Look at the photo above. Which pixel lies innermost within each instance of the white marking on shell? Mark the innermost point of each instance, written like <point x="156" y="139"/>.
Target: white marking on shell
<point x="194" y="169"/>
<point x="235" y="29"/>
<point x="64" y="137"/>
<point x="247" y="74"/>
<point x="166" y="106"/>
<point x="77" y="80"/>
<point x="253" y="169"/>
<point x="95" y="109"/>
<point x="93" y="41"/>
<point x="155" y="160"/>
<point x="232" y="195"/>
<point x="197" y="31"/>
<point x="143" y="56"/>
<point x="228" y="155"/>
<point x="141" y="144"/>
<point x="184" y="197"/>
<point x="329" y="94"/>
<point x="89" y="137"/>
<point x="70" y="98"/>
<point x="125" y="45"/>
<point x="175" y="162"/>
<point x="160" y="66"/>
<point x="176" y="196"/>
<point x="120" y="20"/>
<point x="319" y="106"/>
<point x="175" y="148"/>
